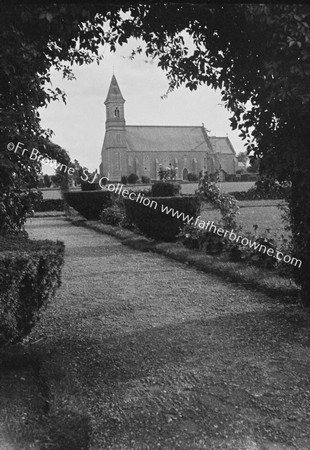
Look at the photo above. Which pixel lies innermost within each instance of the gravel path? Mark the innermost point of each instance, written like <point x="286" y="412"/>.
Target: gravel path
<point x="160" y="355"/>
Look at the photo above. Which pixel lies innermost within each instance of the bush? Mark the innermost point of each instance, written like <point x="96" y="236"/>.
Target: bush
<point x="89" y="204"/>
<point x="211" y="243"/>
<point x="29" y="276"/>
<point x="14" y="207"/>
<point x="165" y="189"/>
<point x="50" y="205"/>
<point x="132" y="178"/>
<point x="192" y="177"/>
<point x="112" y="215"/>
<point x="203" y="240"/>
<point x="145" y="179"/>
<point x="86" y="186"/>
<point x="157" y="224"/>
<point x="124" y="179"/>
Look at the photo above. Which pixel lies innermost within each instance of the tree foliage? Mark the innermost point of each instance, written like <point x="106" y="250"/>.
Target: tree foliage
<point x="33" y="39"/>
<point x="257" y="55"/>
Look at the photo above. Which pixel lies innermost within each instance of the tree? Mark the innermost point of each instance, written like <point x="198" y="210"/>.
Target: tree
<point x="80" y="173"/>
<point x="47" y="181"/>
<point x="242" y="157"/>
<point x="263" y="82"/>
<point x="33" y="39"/>
<point x="254" y="165"/>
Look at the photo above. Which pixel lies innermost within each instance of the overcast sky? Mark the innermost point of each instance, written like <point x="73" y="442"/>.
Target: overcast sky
<point x="79" y="126"/>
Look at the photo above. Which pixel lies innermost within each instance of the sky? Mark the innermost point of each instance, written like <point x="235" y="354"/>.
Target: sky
<point x="79" y="126"/>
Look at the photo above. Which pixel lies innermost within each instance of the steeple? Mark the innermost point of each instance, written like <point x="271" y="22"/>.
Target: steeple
<point x="114" y="93"/>
<point x="115" y="106"/>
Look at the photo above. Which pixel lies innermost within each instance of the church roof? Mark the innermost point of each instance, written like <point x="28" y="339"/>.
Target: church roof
<point x="167" y="138"/>
<point x="222" y="145"/>
<point x="227" y="163"/>
<point x="114" y="93"/>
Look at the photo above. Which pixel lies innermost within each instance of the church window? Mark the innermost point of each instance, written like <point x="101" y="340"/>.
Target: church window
<point x="116" y="112"/>
<point x="146" y="164"/>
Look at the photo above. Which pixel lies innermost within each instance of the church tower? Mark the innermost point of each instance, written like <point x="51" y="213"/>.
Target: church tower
<point x="113" y="154"/>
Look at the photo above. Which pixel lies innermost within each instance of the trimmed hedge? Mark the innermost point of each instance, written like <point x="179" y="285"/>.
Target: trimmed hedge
<point x="86" y="186"/>
<point x="50" y="205"/>
<point x="157" y="224"/>
<point x="30" y="273"/>
<point x="132" y="178"/>
<point x="192" y="177"/>
<point x="165" y="189"/>
<point x="89" y="203"/>
<point x="265" y="189"/>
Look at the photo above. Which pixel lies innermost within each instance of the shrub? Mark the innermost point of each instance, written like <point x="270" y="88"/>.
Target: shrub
<point x="89" y="204"/>
<point x="29" y="276"/>
<point x="192" y="177"/>
<point x="132" y="178"/>
<point x="207" y="241"/>
<point x="165" y="189"/>
<point x="145" y="179"/>
<point x="209" y="192"/>
<point x="50" y="205"/>
<point x="169" y="173"/>
<point x="14" y="207"/>
<point x="112" y="215"/>
<point x="86" y="186"/>
<point x="124" y="179"/>
<point x="157" y="224"/>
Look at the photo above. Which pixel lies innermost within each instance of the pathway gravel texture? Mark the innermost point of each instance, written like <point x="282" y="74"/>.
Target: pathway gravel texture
<point x="159" y="355"/>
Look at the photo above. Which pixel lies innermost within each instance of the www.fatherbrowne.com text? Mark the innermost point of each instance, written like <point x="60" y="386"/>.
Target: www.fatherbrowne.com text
<point x="208" y="226"/>
<point x="140" y="198"/>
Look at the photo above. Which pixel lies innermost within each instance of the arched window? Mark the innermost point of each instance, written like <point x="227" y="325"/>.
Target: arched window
<point x="116" y="112"/>
<point x="146" y="164"/>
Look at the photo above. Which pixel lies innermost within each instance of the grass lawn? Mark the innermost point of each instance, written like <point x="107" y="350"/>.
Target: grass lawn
<point x="262" y="216"/>
<point x="187" y="188"/>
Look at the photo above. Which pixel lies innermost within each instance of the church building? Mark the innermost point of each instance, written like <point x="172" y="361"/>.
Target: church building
<point x="144" y="149"/>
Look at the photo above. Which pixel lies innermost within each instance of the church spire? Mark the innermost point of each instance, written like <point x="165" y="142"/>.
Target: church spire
<point x="114" y="93"/>
<point x="115" y="107"/>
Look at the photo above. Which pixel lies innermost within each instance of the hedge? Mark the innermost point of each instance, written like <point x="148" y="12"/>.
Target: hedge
<point x="265" y="189"/>
<point x="89" y="203"/>
<point x="86" y="186"/>
<point x="165" y="189"/>
<point x="50" y="205"/>
<point x="30" y="273"/>
<point x="157" y="224"/>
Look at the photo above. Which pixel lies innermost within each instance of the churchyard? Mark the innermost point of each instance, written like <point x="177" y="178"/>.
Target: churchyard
<point x="263" y="213"/>
<point x="151" y="318"/>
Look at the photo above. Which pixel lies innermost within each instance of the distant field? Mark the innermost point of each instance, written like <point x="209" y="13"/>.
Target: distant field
<point x="49" y="194"/>
<point x="187" y="188"/>
<point x="264" y="217"/>
<point x="234" y="186"/>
